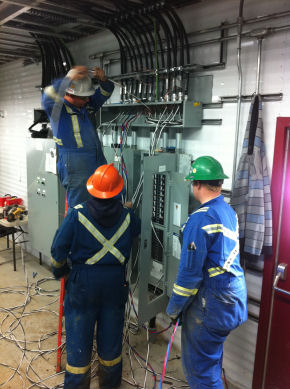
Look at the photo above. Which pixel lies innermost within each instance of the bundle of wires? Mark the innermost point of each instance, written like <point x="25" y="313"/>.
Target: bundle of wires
<point x="123" y="140"/>
<point x="169" y="120"/>
<point x="167" y="354"/>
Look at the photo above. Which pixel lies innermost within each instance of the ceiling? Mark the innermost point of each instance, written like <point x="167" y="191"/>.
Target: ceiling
<point x="68" y="20"/>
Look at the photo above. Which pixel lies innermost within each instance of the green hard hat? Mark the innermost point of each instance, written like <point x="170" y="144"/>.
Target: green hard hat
<point x="206" y="169"/>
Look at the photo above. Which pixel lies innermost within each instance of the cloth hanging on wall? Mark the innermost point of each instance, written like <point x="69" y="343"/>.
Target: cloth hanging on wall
<point x="251" y="197"/>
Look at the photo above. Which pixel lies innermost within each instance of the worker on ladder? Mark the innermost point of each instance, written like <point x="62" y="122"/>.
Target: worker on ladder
<point x="96" y="237"/>
<point x="209" y="295"/>
<point x="79" y="148"/>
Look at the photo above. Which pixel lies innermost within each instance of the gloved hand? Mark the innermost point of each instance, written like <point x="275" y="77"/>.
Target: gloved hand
<point x="128" y="204"/>
<point x="99" y="74"/>
<point x="175" y="318"/>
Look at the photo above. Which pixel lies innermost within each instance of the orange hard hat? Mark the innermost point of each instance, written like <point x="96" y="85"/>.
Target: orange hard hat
<point x="105" y="183"/>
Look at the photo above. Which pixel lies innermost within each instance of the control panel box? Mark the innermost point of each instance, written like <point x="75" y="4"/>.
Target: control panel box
<point x="46" y="196"/>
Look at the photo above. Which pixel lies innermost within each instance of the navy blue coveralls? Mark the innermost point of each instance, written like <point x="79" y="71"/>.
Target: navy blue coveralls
<point x="96" y="237"/>
<point x="79" y="148"/>
<point x="209" y="291"/>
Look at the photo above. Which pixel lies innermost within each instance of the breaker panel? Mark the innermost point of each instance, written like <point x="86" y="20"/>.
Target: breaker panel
<point x="166" y="194"/>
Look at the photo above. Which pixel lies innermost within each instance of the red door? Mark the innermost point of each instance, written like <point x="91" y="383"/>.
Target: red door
<point x="272" y="361"/>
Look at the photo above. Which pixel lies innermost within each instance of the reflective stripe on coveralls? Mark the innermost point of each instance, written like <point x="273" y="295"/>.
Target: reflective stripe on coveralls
<point x="104" y="92"/>
<point x="184" y="291"/>
<point x="234" y="235"/>
<point x="57" y="141"/>
<point x="203" y="209"/>
<point x="75" y="124"/>
<point x="51" y="92"/>
<point x="108" y="244"/>
<point x="110" y="363"/>
<point x="57" y="264"/>
<point x="77" y="370"/>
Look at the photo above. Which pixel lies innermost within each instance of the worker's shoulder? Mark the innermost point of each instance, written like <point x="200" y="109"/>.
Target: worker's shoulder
<point x="199" y="217"/>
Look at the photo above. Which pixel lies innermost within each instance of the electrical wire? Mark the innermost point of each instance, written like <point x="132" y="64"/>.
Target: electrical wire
<point x="39" y="288"/>
<point x="167" y="354"/>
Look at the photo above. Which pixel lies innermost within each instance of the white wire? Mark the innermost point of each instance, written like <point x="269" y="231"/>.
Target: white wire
<point x="140" y="197"/>
<point x="169" y="122"/>
<point x="147" y="357"/>
<point x="156" y="128"/>
<point x="156" y="235"/>
<point x="140" y="183"/>
<point x="109" y="124"/>
<point x="165" y="122"/>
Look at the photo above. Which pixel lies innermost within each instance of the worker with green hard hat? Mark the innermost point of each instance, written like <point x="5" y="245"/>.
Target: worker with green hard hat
<point x="209" y="294"/>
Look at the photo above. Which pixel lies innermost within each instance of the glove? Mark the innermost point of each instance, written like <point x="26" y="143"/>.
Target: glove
<point x="99" y="74"/>
<point x="175" y="318"/>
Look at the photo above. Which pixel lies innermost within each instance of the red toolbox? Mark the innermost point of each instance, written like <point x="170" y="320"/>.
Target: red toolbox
<point x="3" y="200"/>
<point x="14" y="201"/>
<point x="10" y="200"/>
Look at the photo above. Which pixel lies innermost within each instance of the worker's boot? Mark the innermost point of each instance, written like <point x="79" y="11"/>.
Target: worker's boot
<point x="108" y="377"/>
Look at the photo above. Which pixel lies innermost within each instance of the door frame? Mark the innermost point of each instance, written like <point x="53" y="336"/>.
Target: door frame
<point x="267" y="295"/>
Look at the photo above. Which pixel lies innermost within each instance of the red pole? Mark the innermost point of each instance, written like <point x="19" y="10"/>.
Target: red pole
<point x="60" y="314"/>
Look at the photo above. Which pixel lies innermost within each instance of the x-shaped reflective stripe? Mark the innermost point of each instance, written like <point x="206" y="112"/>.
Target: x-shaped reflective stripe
<point x="108" y="245"/>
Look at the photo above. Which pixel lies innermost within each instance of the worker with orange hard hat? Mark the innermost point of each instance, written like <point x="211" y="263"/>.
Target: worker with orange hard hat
<point x="96" y="237"/>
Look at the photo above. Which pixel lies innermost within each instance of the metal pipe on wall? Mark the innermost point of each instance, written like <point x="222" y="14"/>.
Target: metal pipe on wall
<point x="165" y="139"/>
<point x="245" y="22"/>
<point x="260" y="40"/>
<point x="239" y="96"/>
<point x="178" y="138"/>
<point x="134" y="139"/>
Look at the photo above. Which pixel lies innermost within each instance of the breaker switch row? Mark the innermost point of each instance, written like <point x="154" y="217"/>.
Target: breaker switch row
<point x="158" y="206"/>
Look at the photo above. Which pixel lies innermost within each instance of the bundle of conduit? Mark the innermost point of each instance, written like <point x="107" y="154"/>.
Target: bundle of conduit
<point x="55" y="58"/>
<point x="154" y="49"/>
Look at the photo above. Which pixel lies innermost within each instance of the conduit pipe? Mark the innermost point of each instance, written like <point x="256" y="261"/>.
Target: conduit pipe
<point x="258" y="19"/>
<point x="239" y="96"/>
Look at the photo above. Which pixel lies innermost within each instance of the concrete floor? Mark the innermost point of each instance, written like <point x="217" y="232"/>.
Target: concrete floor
<point x="28" y="333"/>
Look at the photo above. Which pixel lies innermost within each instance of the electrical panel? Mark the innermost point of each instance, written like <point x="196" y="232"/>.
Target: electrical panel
<point x="166" y="193"/>
<point x="46" y="196"/>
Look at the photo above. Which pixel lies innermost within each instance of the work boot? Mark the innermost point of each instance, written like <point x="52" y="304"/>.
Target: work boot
<point x="109" y="378"/>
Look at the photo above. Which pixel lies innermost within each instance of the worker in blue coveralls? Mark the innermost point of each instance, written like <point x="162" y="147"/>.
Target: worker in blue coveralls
<point x="79" y="148"/>
<point x="209" y="295"/>
<point x="96" y="236"/>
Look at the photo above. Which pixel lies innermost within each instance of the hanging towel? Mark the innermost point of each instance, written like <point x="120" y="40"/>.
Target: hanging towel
<point x="251" y="197"/>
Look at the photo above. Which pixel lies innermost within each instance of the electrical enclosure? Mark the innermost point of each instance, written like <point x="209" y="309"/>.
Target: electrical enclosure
<point x="46" y="197"/>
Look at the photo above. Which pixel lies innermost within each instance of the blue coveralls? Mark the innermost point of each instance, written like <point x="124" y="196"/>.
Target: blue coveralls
<point x="209" y="291"/>
<point x="79" y="147"/>
<point x="96" y="291"/>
